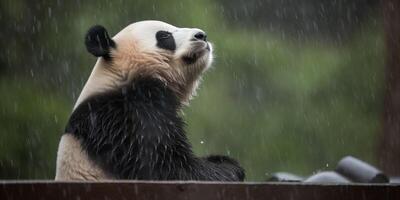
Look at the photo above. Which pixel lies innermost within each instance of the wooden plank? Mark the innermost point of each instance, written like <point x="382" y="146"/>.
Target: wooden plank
<point x="49" y="190"/>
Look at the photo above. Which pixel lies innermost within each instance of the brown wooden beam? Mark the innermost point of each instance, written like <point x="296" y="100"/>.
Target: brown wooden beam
<point x="50" y="190"/>
<point x="389" y="148"/>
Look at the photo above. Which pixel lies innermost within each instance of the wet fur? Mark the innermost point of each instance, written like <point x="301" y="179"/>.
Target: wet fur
<point x="126" y="122"/>
<point x="135" y="132"/>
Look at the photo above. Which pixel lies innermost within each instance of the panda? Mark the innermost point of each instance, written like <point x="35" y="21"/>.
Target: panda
<point x="127" y="123"/>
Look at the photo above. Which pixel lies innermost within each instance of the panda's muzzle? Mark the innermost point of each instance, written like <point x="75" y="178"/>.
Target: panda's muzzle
<point x="197" y="50"/>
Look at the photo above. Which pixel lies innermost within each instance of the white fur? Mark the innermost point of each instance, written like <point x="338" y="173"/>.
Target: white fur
<point x="99" y="80"/>
<point x="74" y="164"/>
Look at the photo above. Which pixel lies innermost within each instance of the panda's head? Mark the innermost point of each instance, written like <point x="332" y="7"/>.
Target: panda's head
<point x="176" y="56"/>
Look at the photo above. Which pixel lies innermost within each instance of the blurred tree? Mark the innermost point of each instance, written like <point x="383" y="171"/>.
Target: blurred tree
<point x="389" y="152"/>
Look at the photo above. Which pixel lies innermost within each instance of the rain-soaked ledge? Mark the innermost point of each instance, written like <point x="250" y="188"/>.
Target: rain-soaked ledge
<point x="178" y="190"/>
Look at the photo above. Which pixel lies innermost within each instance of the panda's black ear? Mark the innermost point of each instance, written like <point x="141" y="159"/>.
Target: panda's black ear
<point x="98" y="42"/>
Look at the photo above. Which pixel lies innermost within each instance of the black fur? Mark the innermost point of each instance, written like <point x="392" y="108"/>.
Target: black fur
<point x="135" y="132"/>
<point x="165" y="40"/>
<point x="98" y="42"/>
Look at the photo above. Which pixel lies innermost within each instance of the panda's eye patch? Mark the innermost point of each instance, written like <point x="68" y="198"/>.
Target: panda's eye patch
<point x="165" y="40"/>
<point x="162" y="35"/>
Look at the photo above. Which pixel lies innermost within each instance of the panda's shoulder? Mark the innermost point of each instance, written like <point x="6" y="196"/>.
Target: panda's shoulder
<point x="140" y="99"/>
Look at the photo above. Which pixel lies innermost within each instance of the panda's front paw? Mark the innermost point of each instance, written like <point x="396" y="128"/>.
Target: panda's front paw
<point x="229" y="163"/>
<point x="219" y="159"/>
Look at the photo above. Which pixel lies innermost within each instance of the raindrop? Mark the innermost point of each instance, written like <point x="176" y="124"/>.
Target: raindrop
<point x="49" y="11"/>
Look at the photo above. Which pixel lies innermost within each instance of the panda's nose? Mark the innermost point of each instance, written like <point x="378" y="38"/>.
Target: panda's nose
<point x="200" y="36"/>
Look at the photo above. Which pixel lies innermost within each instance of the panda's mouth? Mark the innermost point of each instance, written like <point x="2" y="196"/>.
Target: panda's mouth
<point x="190" y="58"/>
<point x="197" y="51"/>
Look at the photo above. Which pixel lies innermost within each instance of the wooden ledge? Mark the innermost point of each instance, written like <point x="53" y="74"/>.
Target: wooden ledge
<point x="177" y="190"/>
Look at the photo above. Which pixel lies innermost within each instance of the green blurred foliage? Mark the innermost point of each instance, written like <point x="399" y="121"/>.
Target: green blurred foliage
<point x="275" y="103"/>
